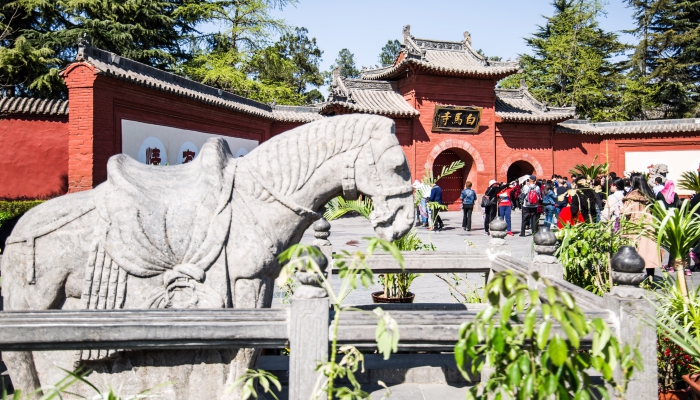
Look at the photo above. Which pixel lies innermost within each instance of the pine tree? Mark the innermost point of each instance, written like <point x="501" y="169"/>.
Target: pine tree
<point x="41" y="37"/>
<point x="674" y="56"/>
<point x="346" y="62"/>
<point x="389" y="53"/>
<point x="572" y="65"/>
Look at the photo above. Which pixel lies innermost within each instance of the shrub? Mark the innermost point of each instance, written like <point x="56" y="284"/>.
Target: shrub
<point x="10" y="209"/>
<point x="516" y="335"/>
<point x="585" y="250"/>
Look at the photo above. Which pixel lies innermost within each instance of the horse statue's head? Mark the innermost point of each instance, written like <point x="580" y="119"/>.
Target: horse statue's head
<point x="379" y="169"/>
<point x="345" y="155"/>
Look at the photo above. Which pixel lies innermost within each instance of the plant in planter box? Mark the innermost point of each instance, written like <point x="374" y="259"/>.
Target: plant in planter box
<point x="585" y="250"/>
<point x="396" y="286"/>
<point x="678" y="321"/>
<point x="673" y="363"/>
<point x="514" y="336"/>
<point x="677" y="230"/>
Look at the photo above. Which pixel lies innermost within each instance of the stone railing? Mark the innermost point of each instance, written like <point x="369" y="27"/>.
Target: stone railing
<point x="304" y="326"/>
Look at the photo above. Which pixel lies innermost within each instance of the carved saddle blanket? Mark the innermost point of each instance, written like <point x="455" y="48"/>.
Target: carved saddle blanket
<point x="169" y="221"/>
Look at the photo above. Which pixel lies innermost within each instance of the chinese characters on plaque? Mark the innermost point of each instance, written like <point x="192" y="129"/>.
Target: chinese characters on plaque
<point x="456" y="119"/>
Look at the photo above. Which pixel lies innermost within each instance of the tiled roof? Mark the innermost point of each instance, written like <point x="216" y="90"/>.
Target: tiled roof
<point x="295" y="114"/>
<point x="585" y="127"/>
<point x="442" y="58"/>
<point x="28" y="105"/>
<point x="118" y="67"/>
<point x="518" y="105"/>
<point x="372" y="97"/>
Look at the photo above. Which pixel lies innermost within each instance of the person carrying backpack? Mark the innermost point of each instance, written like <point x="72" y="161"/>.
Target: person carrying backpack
<point x="532" y="197"/>
<point x="468" y="197"/>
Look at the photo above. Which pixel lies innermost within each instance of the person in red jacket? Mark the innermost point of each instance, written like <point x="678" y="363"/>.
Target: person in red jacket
<point x="505" y="204"/>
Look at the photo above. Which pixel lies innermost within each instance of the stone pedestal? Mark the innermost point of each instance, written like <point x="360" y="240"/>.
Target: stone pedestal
<point x="308" y="333"/>
<point x="322" y="230"/>
<point x="498" y="244"/>
<point x="544" y="261"/>
<point x="629" y="303"/>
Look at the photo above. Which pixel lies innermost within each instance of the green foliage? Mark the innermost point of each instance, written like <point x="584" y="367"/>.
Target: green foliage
<point x="690" y="180"/>
<point x="389" y="53"/>
<point x="395" y="285"/>
<point x="10" y="209"/>
<point x="346" y="62"/>
<point x="585" y="250"/>
<point x="338" y="207"/>
<point x="590" y="172"/>
<point x="60" y="389"/>
<point x="673" y="362"/>
<point x="514" y="335"/>
<point x="351" y="268"/>
<point x="471" y="295"/>
<point x="571" y="62"/>
<point x="228" y="70"/>
<point x="675" y="229"/>
<point x="40" y="37"/>
<point x="248" y="24"/>
<point x="249" y="381"/>
<point x="666" y="55"/>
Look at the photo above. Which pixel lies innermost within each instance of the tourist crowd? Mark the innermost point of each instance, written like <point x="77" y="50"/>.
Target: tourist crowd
<point x="560" y="200"/>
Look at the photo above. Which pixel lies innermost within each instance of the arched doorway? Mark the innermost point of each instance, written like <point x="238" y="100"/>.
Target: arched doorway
<point x="518" y="169"/>
<point x="452" y="185"/>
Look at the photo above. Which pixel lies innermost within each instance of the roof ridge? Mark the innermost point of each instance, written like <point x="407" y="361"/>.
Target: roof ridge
<point x="87" y="51"/>
<point x="33" y="105"/>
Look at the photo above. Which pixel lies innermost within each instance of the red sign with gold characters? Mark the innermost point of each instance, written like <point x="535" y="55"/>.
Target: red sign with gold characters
<point x="456" y="119"/>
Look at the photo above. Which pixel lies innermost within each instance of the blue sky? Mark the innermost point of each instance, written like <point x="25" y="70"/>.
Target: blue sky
<point x="496" y="26"/>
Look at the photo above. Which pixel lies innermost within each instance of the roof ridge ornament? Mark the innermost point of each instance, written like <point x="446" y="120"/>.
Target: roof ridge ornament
<point x="83" y="42"/>
<point x="467" y="37"/>
<point x="410" y="45"/>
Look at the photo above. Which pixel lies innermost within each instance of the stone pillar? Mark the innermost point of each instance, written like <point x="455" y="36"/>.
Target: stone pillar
<point x="544" y="262"/>
<point x="628" y="301"/>
<point x="308" y="333"/>
<point x="498" y="244"/>
<point x="322" y="230"/>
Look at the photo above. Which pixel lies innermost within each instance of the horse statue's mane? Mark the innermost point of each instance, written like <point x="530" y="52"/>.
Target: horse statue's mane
<point x="287" y="161"/>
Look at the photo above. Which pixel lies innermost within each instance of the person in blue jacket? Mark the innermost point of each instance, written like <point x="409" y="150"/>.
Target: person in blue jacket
<point x="549" y="203"/>
<point x="468" y="197"/>
<point x="436" y="197"/>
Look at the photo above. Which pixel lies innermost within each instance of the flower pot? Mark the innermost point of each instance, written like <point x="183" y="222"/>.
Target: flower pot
<point x="693" y="382"/>
<point x="378" y="297"/>
<point x="674" y="395"/>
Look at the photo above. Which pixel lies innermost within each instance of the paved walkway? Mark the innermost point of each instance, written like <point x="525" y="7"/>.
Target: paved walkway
<point x="349" y="233"/>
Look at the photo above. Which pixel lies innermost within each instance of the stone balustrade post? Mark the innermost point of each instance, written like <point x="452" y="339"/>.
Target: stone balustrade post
<point x="498" y="243"/>
<point x="308" y="333"/>
<point x="544" y="261"/>
<point x="322" y="230"/>
<point x="629" y="304"/>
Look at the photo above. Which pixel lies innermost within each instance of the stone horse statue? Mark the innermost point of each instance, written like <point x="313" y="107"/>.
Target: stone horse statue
<point x="200" y="235"/>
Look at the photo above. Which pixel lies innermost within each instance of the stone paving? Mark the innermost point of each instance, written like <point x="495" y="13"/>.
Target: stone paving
<point x="348" y="233"/>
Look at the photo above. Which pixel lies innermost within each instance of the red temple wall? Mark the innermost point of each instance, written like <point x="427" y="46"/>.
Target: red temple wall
<point x="476" y="149"/>
<point x="99" y="104"/>
<point x="531" y="143"/>
<point x="33" y="156"/>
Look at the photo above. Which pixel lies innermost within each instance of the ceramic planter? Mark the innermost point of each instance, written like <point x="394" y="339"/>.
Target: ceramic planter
<point x="693" y="382"/>
<point x="378" y="297"/>
<point x="674" y="395"/>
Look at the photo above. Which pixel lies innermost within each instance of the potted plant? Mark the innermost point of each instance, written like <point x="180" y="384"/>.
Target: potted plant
<point x="673" y="364"/>
<point x="678" y="322"/>
<point x="395" y="286"/>
<point x="677" y="230"/>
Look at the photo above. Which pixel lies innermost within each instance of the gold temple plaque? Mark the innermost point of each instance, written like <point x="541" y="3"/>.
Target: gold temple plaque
<point x="456" y="119"/>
